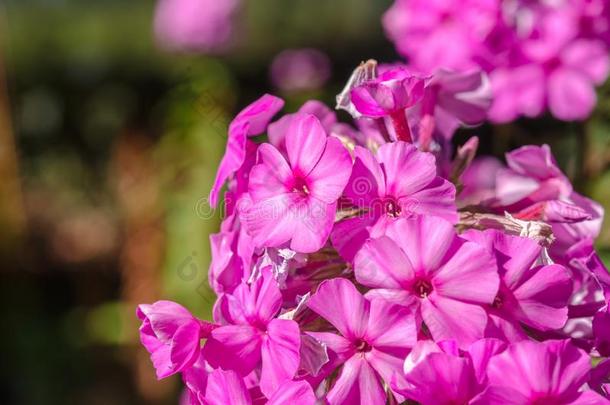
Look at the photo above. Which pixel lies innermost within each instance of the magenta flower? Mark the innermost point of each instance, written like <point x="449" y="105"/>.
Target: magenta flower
<point x="399" y="182"/>
<point x="529" y="294"/>
<point x="455" y="99"/>
<point x="534" y="188"/>
<point x="251" y="121"/>
<point x="375" y="336"/>
<point x="171" y="335"/>
<point x="300" y="69"/>
<point x="423" y="264"/>
<point x="253" y="336"/>
<point x="388" y="95"/>
<point x="439" y="375"/>
<point x="294" y="201"/>
<point x="551" y="372"/>
<point x="539" y="55"/>
<point x="195" y="25"/>
<point x="440" y="34"/>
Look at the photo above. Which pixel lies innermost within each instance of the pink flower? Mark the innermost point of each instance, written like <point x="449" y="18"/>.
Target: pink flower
<point x="440" y="33"/>
<point x="195" y="25"/>
<point x="539" y="55"/>
<point x="436" y="374"/>
<point x="393" y="90"/>
<point x="251" y="121"/>
<point x="529" y="294"/>
<point x="375" y="335"/>
<point x="300" y="69"/>
<point x="552" y="372"/>
<point x="388" y="95"/>
<point x="171" y="335"/>
<point x="294" y="201"/>
<point x="399" y="182"/>
<point x="423" y="264"/>
<point x="534" y="188"/>
<point x="455" y="99"/>
<point x="253" y="336"/>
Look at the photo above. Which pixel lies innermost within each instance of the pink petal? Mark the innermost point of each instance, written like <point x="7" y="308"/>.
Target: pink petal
<point x="280" y="353"/>
<point x="437" y="198"/>
<point x="226" y="387"/>
<point x="470" y="275"/>
<point x="293" y="392"/>
<point x="357" y="384"/>
<point x="252" y="120"/>
<point x="269" y="221"/>
<point x="336" y="343"/>
<point x="339" y="302"/>
<point x="349" y="235"/>
<point x="400" y="158"/>
<point x="311" y="223"/>
<point x="367" y="181"/>
<point x="589" y="57"/>
<point x="571" y="95"/>
<point x="480" y="352"/>
<point x="331" y="173"/>
<point x="425" y="240"/>
<point x="441" y="379"/>
<point x="450" y="319"/>
<point x="234" y="347"/>
<point x="543" y="297"/>
<point x="271" y="176"/>
<point x="305" y="143"/>
<point x="390" y="326"/>
<point x="185" y="345"/>
<point x="381" y="263"/>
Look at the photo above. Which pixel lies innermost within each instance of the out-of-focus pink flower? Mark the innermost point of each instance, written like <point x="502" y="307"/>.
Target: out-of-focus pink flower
<point x="381" y="194"/>
<point x="539" y="55"/>
<point x="423" y="264"/>
<point x="300" y="69"/>
<point x="195" y="25"/>
<point x="455" y="99"/>
<point x="375" y="336"/>
<point x="440" y="33"/>
<point x="529" y="294"/>
<point x="251" y="121"/>
<point x="551" y="372"/>
<point x="479" y="180"/>
<point x="534" y="188"/>
<point x="171" y="335"/>
<point x="294" y="201"/>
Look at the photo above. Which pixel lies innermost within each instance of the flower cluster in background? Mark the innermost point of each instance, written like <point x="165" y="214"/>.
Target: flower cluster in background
<point x="540" y="55"/>
<point x="370" y="263"/>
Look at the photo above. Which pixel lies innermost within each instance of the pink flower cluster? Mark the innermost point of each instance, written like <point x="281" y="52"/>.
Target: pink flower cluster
<point x="539" y="54"/>
<point x="365" y="263"/>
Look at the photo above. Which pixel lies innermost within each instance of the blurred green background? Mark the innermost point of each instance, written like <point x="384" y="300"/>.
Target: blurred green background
<point x="108" y="147"/>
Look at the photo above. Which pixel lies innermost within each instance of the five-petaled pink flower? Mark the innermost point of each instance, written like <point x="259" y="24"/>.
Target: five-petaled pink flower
<point x="421" y="263"/>
<point x="293" y="202"/>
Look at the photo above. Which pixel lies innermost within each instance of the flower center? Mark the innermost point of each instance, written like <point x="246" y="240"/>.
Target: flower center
<point x="498" y="302"/>
<point x="392" y="208"/>
<point x="362" y="346"/>
<point x="422" y="288"/>
<point x="300" y="186"/>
